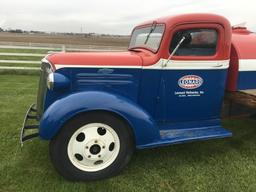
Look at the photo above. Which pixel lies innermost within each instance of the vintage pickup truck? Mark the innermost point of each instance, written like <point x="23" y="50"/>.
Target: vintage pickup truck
<point x="168" y="88"/>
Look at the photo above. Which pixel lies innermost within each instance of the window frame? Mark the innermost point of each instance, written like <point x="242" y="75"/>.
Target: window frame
<point x="146" y="47"/>
<point x="190" y="26"/>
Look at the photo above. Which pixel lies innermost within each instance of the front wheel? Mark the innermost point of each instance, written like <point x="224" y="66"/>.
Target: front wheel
<point x="92" y="146"/>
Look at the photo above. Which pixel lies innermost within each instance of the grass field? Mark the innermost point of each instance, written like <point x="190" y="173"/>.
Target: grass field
<point x="40" y="51"/>
<point x="64" y="39"/>
<point x="19" y="65"/>
<point x="21" y="58"/>
<point x="227" y="165"/>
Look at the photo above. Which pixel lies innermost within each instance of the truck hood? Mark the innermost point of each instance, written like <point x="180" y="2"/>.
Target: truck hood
<point x="90" y="59"/>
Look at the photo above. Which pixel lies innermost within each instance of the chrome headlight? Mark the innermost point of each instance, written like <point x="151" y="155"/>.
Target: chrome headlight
<point x="50" y="81"/>
<point x="57" y="82"/>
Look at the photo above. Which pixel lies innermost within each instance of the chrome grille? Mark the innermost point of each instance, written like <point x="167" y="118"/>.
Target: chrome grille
<point x="42" y="88"/>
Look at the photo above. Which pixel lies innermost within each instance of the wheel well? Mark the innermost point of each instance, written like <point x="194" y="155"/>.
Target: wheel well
<point x="116" y="115"/>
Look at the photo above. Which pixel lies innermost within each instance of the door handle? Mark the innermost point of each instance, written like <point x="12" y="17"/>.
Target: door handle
<point x="218" y="65"/>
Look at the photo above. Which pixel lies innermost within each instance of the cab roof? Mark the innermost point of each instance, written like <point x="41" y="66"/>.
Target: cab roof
<point x="172" y="20"/>
<point x="189" y="20"/>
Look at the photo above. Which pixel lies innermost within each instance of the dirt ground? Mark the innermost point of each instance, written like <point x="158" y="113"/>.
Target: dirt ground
<point x="64" y="39"/>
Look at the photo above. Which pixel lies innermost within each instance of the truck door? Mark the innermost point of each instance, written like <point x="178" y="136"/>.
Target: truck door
<point x="193" y="80"/>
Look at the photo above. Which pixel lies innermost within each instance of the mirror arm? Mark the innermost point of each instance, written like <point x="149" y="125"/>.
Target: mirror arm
<point x="174" y="51"/>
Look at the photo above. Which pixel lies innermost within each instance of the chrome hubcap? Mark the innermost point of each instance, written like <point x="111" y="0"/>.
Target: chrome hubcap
<point x="93" y="147"/>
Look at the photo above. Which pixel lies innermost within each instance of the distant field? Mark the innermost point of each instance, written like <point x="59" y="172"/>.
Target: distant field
<point x="64" y="39"/>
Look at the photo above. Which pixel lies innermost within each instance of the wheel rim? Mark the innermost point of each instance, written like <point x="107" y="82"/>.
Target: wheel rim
<point x="93" y="147"/>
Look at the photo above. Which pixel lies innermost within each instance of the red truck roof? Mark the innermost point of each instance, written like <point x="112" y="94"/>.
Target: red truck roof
<point x="171" y="21"/>
<point x="132" y="59"/>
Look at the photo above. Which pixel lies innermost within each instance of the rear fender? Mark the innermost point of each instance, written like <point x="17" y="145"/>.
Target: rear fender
<point x="144" y="127"/>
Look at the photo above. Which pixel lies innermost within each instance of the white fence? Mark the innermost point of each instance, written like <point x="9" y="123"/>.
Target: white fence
<point x="51" y="49"/>
<point x="47" y="46"/>
<point x="22" y="54"/>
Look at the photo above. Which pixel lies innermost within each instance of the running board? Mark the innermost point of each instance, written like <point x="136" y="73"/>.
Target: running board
<point x="175" y="136"/>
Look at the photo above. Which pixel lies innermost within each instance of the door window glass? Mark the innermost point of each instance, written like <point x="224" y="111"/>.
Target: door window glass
<point x="198" y="42"/>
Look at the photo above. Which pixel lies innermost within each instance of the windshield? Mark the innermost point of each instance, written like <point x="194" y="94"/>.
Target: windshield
<point x="149" y="37"/>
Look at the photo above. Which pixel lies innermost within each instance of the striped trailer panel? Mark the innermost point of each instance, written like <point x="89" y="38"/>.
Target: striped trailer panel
<point x="242" y="73"/>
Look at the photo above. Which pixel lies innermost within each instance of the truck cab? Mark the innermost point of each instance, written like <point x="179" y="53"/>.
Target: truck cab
<point x="167" y="88"/>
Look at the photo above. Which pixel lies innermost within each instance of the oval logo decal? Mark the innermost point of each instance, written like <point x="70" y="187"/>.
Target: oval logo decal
<point x="190" y="82"/>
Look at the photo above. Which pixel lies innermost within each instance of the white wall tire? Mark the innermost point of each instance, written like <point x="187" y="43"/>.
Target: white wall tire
<point x="92" y="146"/>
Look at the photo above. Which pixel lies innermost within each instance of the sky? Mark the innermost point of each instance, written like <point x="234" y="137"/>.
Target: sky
<point x="112" y="16"/>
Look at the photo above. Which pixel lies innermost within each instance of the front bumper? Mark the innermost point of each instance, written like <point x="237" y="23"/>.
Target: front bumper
<point x="30" y="126"/>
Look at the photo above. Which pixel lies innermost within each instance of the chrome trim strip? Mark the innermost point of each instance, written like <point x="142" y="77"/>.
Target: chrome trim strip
<point x="22" y="132"/>
<point x="172" y="65"/>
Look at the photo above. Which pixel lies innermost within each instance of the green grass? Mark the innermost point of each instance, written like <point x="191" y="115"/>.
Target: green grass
<point x="19" y="72"/>
<point x="218" y="165"/>
<point x="20" y="64"/>
<point x="20" y="58"/>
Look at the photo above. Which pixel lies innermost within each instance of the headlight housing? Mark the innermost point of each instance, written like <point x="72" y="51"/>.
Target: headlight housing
<point x="57" y="82"/>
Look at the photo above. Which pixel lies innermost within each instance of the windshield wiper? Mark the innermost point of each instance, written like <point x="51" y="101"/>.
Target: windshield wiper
<point x="153" y="27"/>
